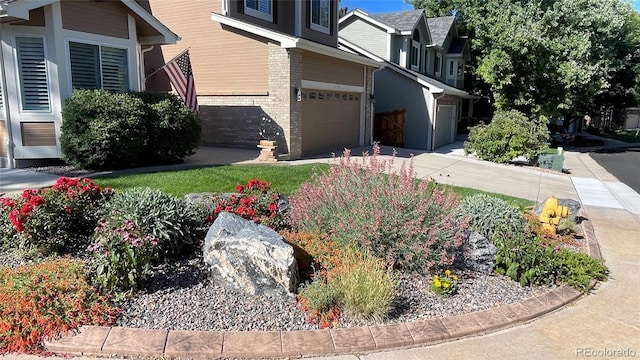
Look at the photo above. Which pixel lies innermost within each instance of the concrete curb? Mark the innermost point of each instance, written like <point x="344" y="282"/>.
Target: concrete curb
<point x="103" y="341"/>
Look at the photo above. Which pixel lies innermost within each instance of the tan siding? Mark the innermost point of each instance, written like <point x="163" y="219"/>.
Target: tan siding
<point x="96" y="17"/>
<point x="3" y="139"/>
<point x="38" y="134"/>
<point x="36" y="18"/>
<point x="223" y="61"/>
<point x="316" y="67"/>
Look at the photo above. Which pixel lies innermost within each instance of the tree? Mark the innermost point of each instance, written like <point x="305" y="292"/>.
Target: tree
<point x="549" y="57"/>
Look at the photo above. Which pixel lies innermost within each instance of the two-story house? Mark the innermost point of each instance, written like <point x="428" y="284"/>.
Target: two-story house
<point x="423" y="74"/>
<point x="50" y="47"/>
<point x="270" y="59"/>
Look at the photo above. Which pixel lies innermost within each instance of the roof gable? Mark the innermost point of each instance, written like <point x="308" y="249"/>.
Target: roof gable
<point x="439" y="28"/>
<point x="402" y="21"/>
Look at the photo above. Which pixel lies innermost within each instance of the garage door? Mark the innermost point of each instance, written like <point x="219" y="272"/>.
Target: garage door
<point x="330" y="121"/>
<point x="444" y="125"/>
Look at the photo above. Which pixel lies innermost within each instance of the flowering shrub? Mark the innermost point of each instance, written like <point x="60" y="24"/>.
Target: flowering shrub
<point x="123" y="254"/>
<point x="374" y="205"/>
<point x="45" y="300"/>
<point x="60" y="218"/>
<point x="254" y="201"/>
<point x="445" y="284"/>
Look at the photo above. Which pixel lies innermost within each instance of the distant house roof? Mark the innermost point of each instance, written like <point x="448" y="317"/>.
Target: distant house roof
<point x="439" y="28"/>
<point x="400" y="20"/>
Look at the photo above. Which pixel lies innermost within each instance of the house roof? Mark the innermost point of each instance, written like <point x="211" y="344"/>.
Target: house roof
<point x="155" y="32"/>
<point x="399" y="20"/>
<point x="439" y="28"/>
<point x="433" y="85"/>
<point x="287" y="41"/>
<point x="457" y="46"/>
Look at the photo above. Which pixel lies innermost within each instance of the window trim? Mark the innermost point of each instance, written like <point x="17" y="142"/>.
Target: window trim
<point x="414" y="62"/>
<point x="319" y="27"/>
<point x="127" y="50"/>
<point x="438" y="64"/>
<point x="19" y="83"/>
<point x="257" y="13"/>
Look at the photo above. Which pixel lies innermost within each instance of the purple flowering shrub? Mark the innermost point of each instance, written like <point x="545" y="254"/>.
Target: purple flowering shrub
<point x="381" y="207"/>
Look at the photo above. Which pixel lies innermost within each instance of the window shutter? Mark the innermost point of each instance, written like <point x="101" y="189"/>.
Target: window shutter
<point x="85" y="73"/>
<point x="33" y="73"/>
<point x="115" y="74"/>
<point x="264" y="6"/>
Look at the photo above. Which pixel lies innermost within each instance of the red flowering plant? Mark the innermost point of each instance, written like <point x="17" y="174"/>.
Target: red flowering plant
<point x="60" y="218"/>
<point x="257" y="202"/>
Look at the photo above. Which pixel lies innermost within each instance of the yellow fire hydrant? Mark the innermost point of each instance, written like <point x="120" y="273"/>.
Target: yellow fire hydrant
<point x="551" y="214"/>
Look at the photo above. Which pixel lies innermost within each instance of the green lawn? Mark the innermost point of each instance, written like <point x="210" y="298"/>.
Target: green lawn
<point x="284" y="179"/>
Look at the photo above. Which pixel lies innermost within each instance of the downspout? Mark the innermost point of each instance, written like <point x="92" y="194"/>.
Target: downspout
<point x="373" y="99"/>
<point x="435" y="119"/>
<point x="143" y="78"/>
<point x="7" y="117"/>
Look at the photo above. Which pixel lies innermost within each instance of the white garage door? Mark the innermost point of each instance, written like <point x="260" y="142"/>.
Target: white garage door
<point x="445" y="121"/>
<point x="330" y="121"/>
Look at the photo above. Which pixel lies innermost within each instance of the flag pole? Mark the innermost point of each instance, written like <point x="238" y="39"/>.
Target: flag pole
<point x="165" y="64"/>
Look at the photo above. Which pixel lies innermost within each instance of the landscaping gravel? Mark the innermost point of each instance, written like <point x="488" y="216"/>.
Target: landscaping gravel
<point x="181" y="296"/>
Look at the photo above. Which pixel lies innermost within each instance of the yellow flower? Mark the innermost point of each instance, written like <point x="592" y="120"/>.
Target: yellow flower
<point x="437" y="283"/>
<point x="445" y="285"/>
<point x="447" y="272"/>
<point x="455" y="277"/>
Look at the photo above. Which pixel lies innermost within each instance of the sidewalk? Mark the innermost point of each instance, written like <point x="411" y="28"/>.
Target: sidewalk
<point x="607" y="322"/>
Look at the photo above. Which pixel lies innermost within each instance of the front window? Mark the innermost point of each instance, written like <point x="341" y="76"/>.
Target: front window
<point x="98" y="67"/>
<point x="321" y="15"/>
<point x="262" y="9"/>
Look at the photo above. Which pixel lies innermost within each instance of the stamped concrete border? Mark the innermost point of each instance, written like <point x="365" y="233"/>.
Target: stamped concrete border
<point x="98" y="340"/>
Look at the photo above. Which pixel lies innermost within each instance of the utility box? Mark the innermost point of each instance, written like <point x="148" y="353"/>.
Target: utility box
<point x="551" y="161"/>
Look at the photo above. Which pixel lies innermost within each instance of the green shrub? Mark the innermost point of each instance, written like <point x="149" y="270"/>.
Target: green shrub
<point x="409" y="223"/>
<point x="366" y="288"/>
<point x="530" y="259"/>
<point x="445" y="284"/>
<point x="172" y="129"/>
<point x="491" y="217"/>
<point x="102" y="130"/>
<point x="59" y="219"/>
<point x="46" y="300"/>
<point x="106" y="130"/>
<point x="169" y="219"/>
<point x="320" y="301"/>
<point x="510" y="134"/>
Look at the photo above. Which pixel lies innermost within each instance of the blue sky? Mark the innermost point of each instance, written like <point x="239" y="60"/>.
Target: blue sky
<point x="379" y="6"/>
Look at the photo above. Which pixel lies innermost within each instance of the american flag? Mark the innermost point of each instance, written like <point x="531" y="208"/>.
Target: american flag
<point x="179" y="72"/>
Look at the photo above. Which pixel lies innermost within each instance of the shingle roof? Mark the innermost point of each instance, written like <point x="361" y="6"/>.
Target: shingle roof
<point x="399" y="20"/>
<point x="439" y="28"/>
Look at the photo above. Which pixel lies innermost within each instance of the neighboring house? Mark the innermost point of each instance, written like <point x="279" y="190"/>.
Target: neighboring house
<point x="271" y="60"/>
<point x="424" y="61"/>
<point x="49" y="48"/>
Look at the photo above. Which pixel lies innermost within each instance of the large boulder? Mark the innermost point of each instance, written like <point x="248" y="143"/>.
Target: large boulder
<point x="249" y="257"/>
<point x="479" y="254"/>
